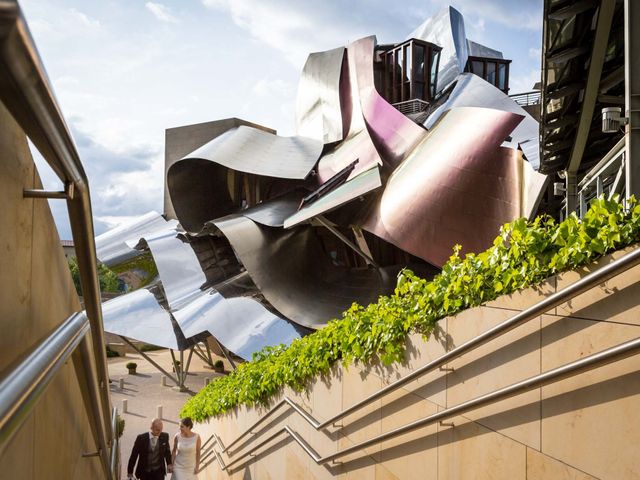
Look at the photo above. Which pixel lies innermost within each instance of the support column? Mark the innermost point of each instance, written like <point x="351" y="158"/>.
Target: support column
<point x="571" y="193"/>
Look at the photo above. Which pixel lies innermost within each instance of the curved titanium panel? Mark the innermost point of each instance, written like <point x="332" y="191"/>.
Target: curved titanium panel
<point x="199" y="192"/>
<point x="138" y="315"/>
<point x="458" y="186"/>
<point x="393" y="134"/>
<point x="249" y="150"/>
<point x="354" y="188"/>
<point x="178" y="266"/>
<point x="273" y="212"/>
<point x="242" y="325"/>
<point x="473" y="91"/>
<point x="296" y="276"/>
<point x="319" y="112"/>
<point x="111" y="246"/>
<point x="446" y="30"/>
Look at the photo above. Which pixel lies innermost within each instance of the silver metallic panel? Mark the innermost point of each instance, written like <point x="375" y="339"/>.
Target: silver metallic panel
<point x="249" y="150"/>
<point x="138" y="315"/>
<point x="178" y="267"/>
<point x="447" y="31"/>
<point x="111" y="246"/>
<point x="458" y="186"/>
<point x="318" y="109"/>
<point x="473" y="91"/>
<point x="478" y="50"/>
<point x="352" y="189"/>
<point x="296" y="276"/>
<point x="242" y="325"/>
<point x="273" y="212"/>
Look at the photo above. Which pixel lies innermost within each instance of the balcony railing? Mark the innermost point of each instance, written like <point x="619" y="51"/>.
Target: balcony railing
<point x="527" y="98"/>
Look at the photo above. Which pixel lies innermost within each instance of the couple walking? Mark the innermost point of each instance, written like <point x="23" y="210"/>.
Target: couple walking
<point x="152" y="452"/>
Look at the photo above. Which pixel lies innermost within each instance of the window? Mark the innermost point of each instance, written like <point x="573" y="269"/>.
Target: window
<point x="410" y="71"/>
<point x="493" y="70"/>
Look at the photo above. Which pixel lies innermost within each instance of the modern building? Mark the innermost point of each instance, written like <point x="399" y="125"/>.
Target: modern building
<point x="401" y="152"/>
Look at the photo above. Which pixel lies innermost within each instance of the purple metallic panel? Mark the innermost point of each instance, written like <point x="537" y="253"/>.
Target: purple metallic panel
<point x="458" y="186"/>
<point x="393" y="134"/>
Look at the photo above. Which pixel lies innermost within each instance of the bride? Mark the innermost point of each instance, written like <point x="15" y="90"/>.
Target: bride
<point x="185" y="455"/>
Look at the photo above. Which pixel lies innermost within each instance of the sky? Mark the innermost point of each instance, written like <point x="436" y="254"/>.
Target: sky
<point x="123" y="71"/>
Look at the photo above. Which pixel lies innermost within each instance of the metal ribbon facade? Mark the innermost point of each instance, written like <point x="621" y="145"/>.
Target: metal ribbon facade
<point x="395" y="193"/>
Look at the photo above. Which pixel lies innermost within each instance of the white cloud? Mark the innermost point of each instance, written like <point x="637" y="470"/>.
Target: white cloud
<point x="535" y="53"/>
<point x="524" y="83"/>
<point x="527" y="15"/>
<point x="84" y="19"/>
<point x="273" y="87"/>
<point x="161" y="12"/>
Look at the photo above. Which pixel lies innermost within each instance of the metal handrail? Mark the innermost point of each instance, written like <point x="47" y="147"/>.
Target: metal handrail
<point x="527" y="98"/>
<point x="582" y="365"/>
<point x="25" y="90"/>
<point x="20" y="389"/>
<point x="115" y="445"/>
<point x="587" y="282"/>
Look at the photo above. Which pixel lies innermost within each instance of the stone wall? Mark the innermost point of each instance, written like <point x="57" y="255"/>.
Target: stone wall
<point x="36" y="296"/>
<point x="582" y="427"/>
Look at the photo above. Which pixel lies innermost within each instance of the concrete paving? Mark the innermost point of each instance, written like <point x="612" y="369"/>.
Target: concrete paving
<point x="144" y="393"/>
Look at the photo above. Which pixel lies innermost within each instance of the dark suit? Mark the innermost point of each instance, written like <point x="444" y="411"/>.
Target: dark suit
<point x="140" y="452"/>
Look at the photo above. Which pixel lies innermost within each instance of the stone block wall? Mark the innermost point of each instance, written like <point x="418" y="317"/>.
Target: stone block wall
<point x="580" y="428"/>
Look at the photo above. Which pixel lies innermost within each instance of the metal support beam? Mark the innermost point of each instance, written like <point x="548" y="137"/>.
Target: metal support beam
<point x="592" y="87"/>
<point x="632" y="94"/>
<point x="224" y="352"/>
<point x="325" y="223"/>
<point x="149" y="359"/>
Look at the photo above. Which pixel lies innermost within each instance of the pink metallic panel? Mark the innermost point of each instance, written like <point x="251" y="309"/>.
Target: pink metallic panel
<point x="457" y="186"/>
<point x="393" y="134"/>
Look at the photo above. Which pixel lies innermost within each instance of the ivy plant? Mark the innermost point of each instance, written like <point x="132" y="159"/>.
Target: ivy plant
<point x="524" y="254"/>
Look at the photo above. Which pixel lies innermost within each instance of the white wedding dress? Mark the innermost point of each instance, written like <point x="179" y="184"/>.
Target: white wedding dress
<point x="185" y="461"/>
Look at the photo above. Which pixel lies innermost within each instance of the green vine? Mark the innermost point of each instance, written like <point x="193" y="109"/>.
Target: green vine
<point x="524" y="254"/>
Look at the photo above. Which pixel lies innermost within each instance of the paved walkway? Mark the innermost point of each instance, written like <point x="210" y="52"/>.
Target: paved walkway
<point x="144" y="393"/>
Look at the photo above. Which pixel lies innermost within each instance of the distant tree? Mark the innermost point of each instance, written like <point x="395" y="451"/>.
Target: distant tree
<point x="108" y="280"/>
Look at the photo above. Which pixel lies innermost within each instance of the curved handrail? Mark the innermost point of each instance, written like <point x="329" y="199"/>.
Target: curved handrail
<point x="25" y="90"/>
<point x="587" y="282"/>
<point x="20" y="389"/>
<point x="582" y="365"/>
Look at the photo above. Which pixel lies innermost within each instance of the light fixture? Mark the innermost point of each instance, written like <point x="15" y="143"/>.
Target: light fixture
<point x="612" y="119"/>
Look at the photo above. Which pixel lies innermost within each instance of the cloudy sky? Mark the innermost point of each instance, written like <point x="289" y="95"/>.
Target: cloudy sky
<point x="125" y="70"/>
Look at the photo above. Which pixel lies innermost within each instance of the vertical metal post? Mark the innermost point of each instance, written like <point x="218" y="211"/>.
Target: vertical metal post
<point x="571" y="193"/>
<point x="632" y="94"/>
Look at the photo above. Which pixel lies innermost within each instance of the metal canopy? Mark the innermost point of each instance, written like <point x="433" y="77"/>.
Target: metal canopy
<point x="583" y="54"/>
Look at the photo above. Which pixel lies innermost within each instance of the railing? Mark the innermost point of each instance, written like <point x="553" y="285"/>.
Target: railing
<point x="607" y="177"/>
<point x="409" y="107"/>
<point x="115" y="446"/>
<point x="607" y="356"/>
<point x="527" y="98"/>
<point x="26" y="92"/>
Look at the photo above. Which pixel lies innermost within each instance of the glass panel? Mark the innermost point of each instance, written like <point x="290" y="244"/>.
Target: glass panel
<point x="435" y="58"/>
<point x="407" y="62"/>
<point x="491" y="73"/>
<point x="388" y="76"/>
<point x="418" y="90"/>
<point x="502" y="70"/>
<point x="477" y="67"/>
<point x="418" y="51"/>
<point x="399" y="71"/>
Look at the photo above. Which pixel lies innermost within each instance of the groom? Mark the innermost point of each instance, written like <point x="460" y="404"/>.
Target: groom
<point x="151" y="450"/>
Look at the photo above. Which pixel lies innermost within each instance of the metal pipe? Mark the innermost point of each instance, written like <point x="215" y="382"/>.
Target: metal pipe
<point x="584" y="284"/>
<point x="22" y="387"/>
<point x="26" y="92"/>
<point x="582" y="365"/>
